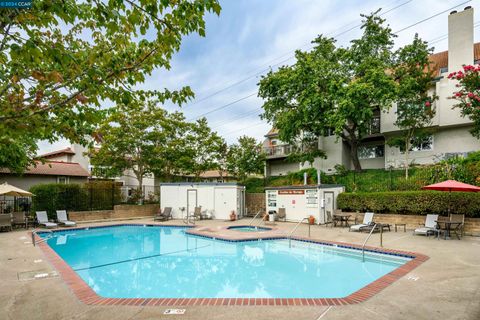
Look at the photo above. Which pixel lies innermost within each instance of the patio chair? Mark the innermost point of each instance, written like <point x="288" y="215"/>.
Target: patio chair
<point x="430" y="226"/>
<point x="19" y="219"/>
<point x="63" y="219"/>
<point x="367" y="220"/>
<point x="163" y="216"/>
<point x="42" y="219"/>
<point x="281" y="215"/>
<point x="459" y="218"/>
<point x="197" y="213"/>
<point x="6" y="221"/>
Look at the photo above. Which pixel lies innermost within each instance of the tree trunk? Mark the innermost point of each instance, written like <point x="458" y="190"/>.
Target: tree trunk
<point x="407" y="151"/>
<point x="354" y="154"/>
<point x="139" y="174"/>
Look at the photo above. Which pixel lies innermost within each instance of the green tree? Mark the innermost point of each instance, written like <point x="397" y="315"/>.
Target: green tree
<point x="60" y="60"/>
<point x="415" y="109"/>
<point x="468" y="95"/>
<point x="204" y="150"/>
<point x="137" y="138"/>
<point x="333" y="88"/>
<point x="245" y="157"/>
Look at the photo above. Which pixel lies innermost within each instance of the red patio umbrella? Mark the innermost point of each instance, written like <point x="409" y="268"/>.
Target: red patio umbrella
<point x="452" y="185"/>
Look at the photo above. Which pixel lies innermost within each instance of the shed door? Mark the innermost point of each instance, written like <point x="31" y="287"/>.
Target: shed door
<point x="240" y="202"/>
<point x="224" y="205"/>
<point x="329" y="204"/>
<point x="191" y="200"/>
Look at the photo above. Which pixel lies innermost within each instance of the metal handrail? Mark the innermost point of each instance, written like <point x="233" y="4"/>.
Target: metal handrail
<point x="364" y="242"/>
<point x="294" y="229"/>
<point x="34" y="232"/>
<point x="255" y="217"/>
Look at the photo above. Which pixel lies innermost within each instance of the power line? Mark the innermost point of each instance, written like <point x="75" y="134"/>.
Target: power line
<point x="431" y="17"/>
<point x="264" y="69"/>
<point x="224" y="106"/>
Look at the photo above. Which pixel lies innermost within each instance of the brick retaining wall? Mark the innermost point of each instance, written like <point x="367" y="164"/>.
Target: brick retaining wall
<point x="472" y="225"/>
<point x="255" y="202"/>
<point x="124" y="211"/>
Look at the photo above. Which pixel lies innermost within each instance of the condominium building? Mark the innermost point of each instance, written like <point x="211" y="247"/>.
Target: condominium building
<point x="450" y="131"/>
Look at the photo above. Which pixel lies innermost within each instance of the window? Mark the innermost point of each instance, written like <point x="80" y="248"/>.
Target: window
<point x="420" y="144"/>
<point x="371" y="152"/>
<point x="62" y="180"/>
<point x="329" y="132"/>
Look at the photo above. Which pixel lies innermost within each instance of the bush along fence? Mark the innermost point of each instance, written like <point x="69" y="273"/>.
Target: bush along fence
<point x="88" y="197"/>
<point x="412" y="202"/>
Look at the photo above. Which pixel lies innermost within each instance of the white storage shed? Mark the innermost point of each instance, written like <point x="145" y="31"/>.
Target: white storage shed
<point x="217" y="199"/>
<point x="303" y="201"/>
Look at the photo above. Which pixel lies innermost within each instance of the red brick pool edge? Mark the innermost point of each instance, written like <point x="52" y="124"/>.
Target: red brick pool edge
<point x="86" y="295"/>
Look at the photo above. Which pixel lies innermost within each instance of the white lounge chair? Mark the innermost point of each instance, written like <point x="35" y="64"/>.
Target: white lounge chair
<point x="63" y="220"/>
<point x="42" y="219"/>
<point x="431" y="225"/>
<point x="367" y="220"/>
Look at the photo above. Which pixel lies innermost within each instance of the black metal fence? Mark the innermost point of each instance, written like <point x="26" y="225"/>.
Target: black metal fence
<point x="89" y="197"/>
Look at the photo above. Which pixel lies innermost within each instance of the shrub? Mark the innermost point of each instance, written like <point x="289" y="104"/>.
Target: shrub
<point x="254" y="185"/>
<point x="412" y="202"/>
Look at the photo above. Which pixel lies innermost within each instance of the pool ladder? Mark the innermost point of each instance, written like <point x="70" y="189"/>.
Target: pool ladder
<point x="368" y="237"/>
<point x="35" y="242"/>
<point x="255" y="217"/>
<point x="294" y="229"/>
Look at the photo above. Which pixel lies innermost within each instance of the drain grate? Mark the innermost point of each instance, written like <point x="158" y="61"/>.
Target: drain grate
<point x="36" y="275"/>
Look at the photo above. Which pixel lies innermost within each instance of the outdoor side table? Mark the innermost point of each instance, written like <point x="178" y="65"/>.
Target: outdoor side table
<point x="342" y="219"/>
<point x="400" y="225"/>
<point x="449" y="227"/>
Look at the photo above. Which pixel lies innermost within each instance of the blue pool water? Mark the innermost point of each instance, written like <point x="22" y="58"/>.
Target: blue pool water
<point x="248" y="228"/>
<point x="161" y="262"/>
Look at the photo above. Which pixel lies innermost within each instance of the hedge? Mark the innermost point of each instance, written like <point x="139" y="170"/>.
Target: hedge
<point x="412" y="202"/>
<point x="76" y="197"/>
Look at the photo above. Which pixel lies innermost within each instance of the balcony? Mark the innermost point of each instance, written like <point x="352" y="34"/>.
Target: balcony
<point x="278" y="151"/>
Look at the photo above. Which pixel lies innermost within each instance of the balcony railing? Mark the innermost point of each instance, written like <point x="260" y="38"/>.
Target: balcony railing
<point x="278" y="151"/>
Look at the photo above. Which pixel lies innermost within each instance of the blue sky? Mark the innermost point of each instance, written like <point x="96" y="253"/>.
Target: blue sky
<point x="250" y="36"/>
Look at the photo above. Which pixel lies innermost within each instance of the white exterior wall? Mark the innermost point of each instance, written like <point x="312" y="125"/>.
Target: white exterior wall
<point x="447" y="140"/>
<point x="296" y="206"/>
<point x="219" y="199"/>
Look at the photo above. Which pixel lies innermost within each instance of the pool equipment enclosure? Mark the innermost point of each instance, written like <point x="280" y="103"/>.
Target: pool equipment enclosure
<point x="217" y="199"/>
<point x="303" y="201"/>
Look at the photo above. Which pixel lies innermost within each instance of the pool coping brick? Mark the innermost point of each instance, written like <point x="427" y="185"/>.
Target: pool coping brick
<point x="86" y="295"/>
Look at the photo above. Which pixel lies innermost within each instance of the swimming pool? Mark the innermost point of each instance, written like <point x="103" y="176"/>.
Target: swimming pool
<point x="134" y="261"/>
<point x="248" y="228"/>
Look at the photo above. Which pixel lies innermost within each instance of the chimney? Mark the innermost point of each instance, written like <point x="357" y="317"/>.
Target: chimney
<point x="460" y="39"/>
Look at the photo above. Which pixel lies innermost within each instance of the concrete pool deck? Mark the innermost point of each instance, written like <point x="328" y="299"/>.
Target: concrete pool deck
<point x="447" y="286"/>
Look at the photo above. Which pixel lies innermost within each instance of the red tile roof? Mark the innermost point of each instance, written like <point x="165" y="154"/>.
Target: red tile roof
<point x="440" y="60"/>
<point x="272" y="132"/>
<point x="57" y="153"/>
<point x="55" y="168"/>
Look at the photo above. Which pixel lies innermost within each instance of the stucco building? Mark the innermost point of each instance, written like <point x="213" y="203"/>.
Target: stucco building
<point x="450" y="131"/>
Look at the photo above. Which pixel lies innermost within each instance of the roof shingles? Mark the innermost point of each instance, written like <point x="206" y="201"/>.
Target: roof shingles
<point x="56" y="168"/>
